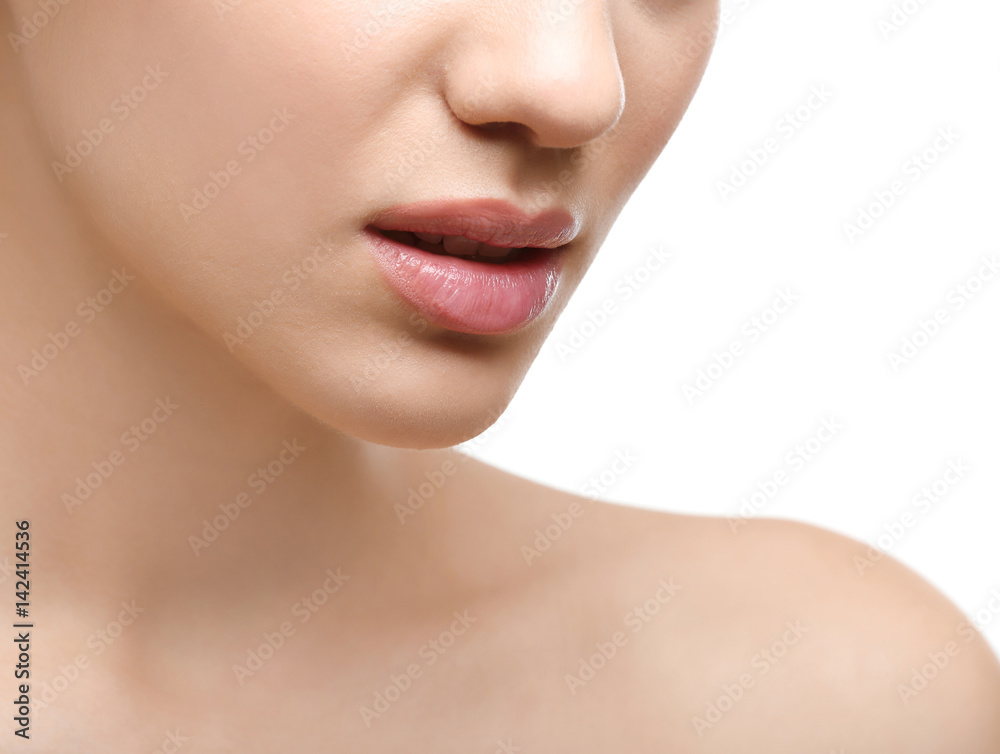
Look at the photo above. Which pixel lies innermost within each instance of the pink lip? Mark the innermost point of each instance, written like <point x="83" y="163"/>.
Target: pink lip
<point x="490" y="221"/>
<point x="478" y="298"/>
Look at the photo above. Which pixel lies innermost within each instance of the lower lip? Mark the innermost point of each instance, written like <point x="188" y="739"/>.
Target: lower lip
<point x="478" y="298"/>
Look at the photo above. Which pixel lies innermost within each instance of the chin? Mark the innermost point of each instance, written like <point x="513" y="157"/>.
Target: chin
<point x="423" y="427"/>
<point x="428" y="397"/>
<point x="410" y="418"/>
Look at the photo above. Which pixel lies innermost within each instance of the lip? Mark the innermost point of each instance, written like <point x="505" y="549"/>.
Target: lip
<point x="490" y="221"/>
<point x="478" y="298"/>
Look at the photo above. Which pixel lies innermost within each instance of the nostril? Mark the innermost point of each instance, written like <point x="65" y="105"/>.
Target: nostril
<point x="503" y="128"/>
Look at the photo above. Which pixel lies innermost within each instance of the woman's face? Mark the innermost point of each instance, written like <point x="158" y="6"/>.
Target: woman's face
<point x="245" y="155"/>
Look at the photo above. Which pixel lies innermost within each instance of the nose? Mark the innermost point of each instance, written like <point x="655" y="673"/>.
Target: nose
<point x="557" y="78"/>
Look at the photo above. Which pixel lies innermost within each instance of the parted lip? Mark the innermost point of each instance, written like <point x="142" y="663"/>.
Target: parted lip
<point x="490" y="221"/>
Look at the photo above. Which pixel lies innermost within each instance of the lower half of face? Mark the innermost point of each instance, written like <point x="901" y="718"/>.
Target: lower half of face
<point x="378" y="207"/>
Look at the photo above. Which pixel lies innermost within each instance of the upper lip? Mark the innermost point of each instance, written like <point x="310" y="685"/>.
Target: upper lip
<point x="490" y="221"/>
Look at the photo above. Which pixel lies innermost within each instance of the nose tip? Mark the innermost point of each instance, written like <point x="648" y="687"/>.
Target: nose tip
<point x="562" y="85"/>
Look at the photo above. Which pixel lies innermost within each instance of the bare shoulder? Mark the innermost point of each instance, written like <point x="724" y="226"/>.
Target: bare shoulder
<point x="689" y="633"/>
<point x="802" y="639"/>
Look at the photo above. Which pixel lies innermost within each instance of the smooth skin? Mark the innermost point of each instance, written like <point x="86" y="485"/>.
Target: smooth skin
<point x="243" y="568"/>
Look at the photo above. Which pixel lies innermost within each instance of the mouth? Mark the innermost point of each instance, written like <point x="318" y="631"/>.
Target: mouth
<point x="455" y="246"/>
<point x="482" y="267"/>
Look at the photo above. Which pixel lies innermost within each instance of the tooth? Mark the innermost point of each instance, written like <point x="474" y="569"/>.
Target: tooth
<point x="398" y="235"/>
<point x="429" y="237"/>
<point x="433" y="248"/>
<point x="485" y="250"/>
<point x="460" y="245"/>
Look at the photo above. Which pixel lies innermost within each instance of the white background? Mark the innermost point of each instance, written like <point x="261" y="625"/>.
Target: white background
<point x="828" y="355"/>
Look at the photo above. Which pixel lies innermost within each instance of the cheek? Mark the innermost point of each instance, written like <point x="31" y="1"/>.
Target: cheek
<point x="664" y="70"/>
<point x="206" y="146"/>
